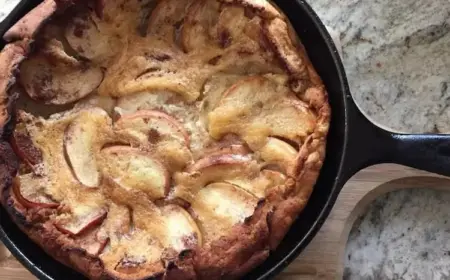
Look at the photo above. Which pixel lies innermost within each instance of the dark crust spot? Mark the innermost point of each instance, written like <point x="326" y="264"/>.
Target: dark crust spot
<point x="249" y="13"/>
<point x="225" y="38"/>
<point x="154" y="136"/>
<point x="78" y="31"/>
<point x="294" y="144"/>
<point x="160" y="56"/>
<point x="244" y="52"/>
<point x="190" y="241"/>
<point x="99" y="7"/>
<point x="214" y="60"/>
<point x="147" y="71"/>
<point x="188" y="253"/>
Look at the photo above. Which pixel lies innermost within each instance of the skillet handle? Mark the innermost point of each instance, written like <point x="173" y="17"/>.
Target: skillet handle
<point x="369" y="144"/>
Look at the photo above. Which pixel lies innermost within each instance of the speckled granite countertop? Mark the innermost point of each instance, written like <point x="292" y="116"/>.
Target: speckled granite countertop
<point x="397" y="57"/>
<point x="6" y="6"/>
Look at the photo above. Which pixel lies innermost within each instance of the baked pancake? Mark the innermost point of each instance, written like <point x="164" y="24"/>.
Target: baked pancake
<point x="168" y="139"/>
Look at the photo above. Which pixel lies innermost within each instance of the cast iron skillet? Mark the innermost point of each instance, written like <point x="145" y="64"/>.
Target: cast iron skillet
<point x="353" y="143"/>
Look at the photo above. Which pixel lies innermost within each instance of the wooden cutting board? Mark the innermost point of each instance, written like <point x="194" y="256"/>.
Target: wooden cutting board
<point x="324" y="257"/>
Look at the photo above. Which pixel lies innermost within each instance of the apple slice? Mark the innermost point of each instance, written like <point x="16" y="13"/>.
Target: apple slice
<point x="23" y="146"/>
<point x="30" y="191"/>
<point x="263" y="8"/>
<point x="181" y="230"/>
<point x="258" y="107"/>
<point x="213" y="92"/>
<point x="53" y="77"/>
<point x="92" y="243"/>
<point x="219" y="161"/>
<point x="231" y="24"/>
<point x="277" y="178"/>
<point x="116" y="225"/>
<point x="92" y="101"/>
<point x="260" y="184"/>
<point x="164" y="77"/>
<point x="151" y="126"/>
<point x="163" y="67"/>
<point x="83" y="218"/>
<point x="276" y="151"/>
<point x="136" y="257"/>
<point x="196" y="33"/>
<point x="91" y="38"/>
<point x="149" y="101"/>
<point x="219" y="206"/>
<point x="82" y="139"/>
<point x="166" y="18"/>
<point x="132" y="168"/>
<point x="138" y="254"/>
<point x="236" y="149"/>
<point x="165" y="135"/>
<point x="212" y="169"/>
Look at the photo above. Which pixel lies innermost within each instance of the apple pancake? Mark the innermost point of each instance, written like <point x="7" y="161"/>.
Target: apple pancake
<point x="167" y="139"/>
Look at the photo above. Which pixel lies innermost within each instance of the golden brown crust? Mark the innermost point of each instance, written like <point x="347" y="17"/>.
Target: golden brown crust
<point x="247" y="244"/>
<point x="231" y="256"/>
<point x="261" y="7"/>
<point x="10" y="58"/>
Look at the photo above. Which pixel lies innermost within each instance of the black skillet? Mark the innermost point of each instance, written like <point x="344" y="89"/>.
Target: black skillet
<point x="353" y="143"/>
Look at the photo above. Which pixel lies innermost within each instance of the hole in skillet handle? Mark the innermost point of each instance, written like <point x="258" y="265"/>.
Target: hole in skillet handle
<point x="22" y="7"/>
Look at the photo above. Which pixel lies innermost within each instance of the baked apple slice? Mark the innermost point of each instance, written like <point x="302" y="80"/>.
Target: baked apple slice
<point x="83" y="218"/>
<point x="92" y="243"/>
<point x="278" y="152"/>
<point x="165" y="136"/>
<point x="24" y="147"/>
<point x="219" y="161"/>
<point x="257" y="107"/>
<point x="166" y="18"/>
<point x="277" y="178"/>
<point x="116" y="226"/>
<point x="264" y="8"/>
<point x="181" y="230"/>
<point x="151" y="126"/>
<point x="83" y="138"/>
<point x="235" y="149"/>
<point x="196" y="32"/>
<point x="213" y="92"/>
<point x="30" y="191"/>
<point x="149" y="75"/>
<point x="92" y="38"/>
<point x="149" y="101"/>
<point x="230" y="25"/>
<point x="219" y="206"/>
<point x="134" y="169"/>
<point x="53" y="77"/>
<point x="97" y="101"/>
<point x="213" y="169"/>
<point x="138" y="256"/>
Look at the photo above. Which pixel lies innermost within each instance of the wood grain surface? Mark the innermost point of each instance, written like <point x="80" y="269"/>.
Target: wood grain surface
<point x="324" y="257"/>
